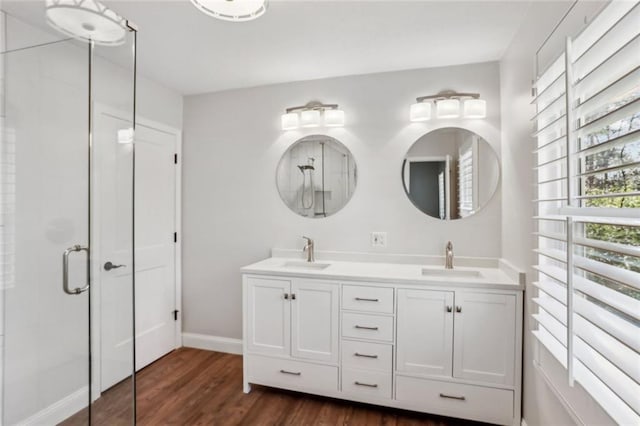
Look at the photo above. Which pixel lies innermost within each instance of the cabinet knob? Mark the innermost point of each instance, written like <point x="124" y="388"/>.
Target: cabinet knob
<point x="286" y="296"/>
<point x="293" y="296"/>
<point x="458" y="309"/>
<point x="449" y="308"/>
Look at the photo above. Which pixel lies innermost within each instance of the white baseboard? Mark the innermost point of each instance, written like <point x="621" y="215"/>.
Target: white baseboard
<point x="212" y="343"/>
<point x="60" y="410"/>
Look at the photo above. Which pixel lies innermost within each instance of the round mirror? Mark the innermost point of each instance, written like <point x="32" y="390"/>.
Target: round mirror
<point x="450" y="173"/>
<point x="316" y="177"/>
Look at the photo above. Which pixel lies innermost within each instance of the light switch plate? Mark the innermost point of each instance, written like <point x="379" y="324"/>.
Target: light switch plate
<point x="378" y="239"/>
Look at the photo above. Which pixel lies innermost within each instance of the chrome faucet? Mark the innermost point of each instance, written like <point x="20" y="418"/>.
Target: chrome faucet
<point x="309" y="249"/>
<point x="448" y="262"/>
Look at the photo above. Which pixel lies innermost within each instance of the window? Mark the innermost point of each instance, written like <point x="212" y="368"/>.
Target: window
<point x="588" y="210"/>
<point x="465" y="181"/>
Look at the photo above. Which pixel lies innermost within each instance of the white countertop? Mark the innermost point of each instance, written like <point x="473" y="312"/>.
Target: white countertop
<point x="383" y="272"/>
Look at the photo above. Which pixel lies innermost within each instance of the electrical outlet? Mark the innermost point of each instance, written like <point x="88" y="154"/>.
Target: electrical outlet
<point x="378" y="239"/>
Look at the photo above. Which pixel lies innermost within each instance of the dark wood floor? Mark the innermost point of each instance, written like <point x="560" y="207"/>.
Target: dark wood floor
<point x="196" y="387"/>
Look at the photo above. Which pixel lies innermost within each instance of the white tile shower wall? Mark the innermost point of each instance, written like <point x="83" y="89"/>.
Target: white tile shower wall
<point x="540" y="405"/>
<point x="232" y="212"/>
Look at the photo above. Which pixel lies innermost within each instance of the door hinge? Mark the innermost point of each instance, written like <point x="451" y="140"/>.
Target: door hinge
<point x="175" y="315"/>
<point x="175" y="158"/>
<point x="175" y="237"/>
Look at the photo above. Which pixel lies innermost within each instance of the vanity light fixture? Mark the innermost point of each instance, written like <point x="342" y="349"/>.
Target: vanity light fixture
<point x="448" y="106"/>
<point x="87" y="20"/>
<point x="232" y="10"/>
<point x="313" y="114"/>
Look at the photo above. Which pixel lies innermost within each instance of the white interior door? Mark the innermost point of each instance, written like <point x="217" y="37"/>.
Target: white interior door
<point x="155" y="278"/>
<point x="155" y="220"/>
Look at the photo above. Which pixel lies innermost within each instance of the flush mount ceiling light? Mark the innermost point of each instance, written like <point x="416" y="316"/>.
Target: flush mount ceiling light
<point x="448" y="106"/>
<point x="232" y="10"/>
<point x="87" y="20"/>
<point x="313" y="114"/>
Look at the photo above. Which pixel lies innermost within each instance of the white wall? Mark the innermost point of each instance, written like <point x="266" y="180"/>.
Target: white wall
<point x="541" y="406"/>
<point x="233" y="215"/>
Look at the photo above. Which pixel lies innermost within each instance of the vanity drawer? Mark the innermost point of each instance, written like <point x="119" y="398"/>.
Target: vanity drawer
<point x="456" y="399"/>
<point x="292" y="374"/>
<point x="365" y="355"/>
<point x="366" y="383"/>
<point x="372" y="327"/>
<point x="367" y="299"/>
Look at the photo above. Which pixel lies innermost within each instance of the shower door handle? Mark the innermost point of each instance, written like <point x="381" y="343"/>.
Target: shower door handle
<point x="65" y="270"/>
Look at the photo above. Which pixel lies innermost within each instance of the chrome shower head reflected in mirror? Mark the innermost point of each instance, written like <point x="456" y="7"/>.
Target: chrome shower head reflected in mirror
<point x="316" y="176"/>
<point x="450" y="173"/>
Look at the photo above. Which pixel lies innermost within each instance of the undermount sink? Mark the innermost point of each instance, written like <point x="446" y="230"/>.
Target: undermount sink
<point x="450" y="273"/>
<point x="301" y="264"/>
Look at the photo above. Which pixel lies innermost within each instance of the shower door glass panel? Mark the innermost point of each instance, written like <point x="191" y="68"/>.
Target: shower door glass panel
<point x="51" y="195"/>
<point x="113" y="85"/>
<point x="45" y="144"/>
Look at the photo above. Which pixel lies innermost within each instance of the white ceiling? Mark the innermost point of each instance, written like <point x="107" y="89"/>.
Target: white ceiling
<point x="295" y="40"/>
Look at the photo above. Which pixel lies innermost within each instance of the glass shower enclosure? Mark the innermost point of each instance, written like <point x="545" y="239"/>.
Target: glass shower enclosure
<point x="66" y="219"/>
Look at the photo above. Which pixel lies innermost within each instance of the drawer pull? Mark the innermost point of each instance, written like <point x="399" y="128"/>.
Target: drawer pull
<point x="362" y="327"/>
<point x="364" y="299"/>
<point x="365" y="384"/>
<point x="459" y="398"/>
<point x="291" y="372"/>
<point x="366" y="356"/>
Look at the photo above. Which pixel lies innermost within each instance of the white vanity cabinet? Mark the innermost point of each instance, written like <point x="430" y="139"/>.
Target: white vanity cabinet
<point x="425" y="332"/>
<point x="484" y="337"/>
<point x="461" y="334"/>
<point x="453" y="348"/>
<point x="291" y="333"/>
<point x="450" y="350"/>
<point x="293" y="317"/>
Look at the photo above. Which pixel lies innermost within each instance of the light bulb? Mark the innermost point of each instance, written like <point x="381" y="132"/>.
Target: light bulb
<point x="420" y="111"/>
<point x="290" y="121"/>
<point x="448" y="108"/>
<point x="310" y="118"/>
<point x="475" y="108"/>
<point x="334" y="117"/>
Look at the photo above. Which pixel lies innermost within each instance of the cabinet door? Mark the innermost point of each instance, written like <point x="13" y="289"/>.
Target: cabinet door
<point x="269" y="316"/>
<point x="485" y="332"/>
<point x="314" y="325"/>
<point x="425" y="332"/>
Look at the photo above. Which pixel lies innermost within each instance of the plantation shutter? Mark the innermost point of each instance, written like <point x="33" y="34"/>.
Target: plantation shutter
<point x="588" y="210"/>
